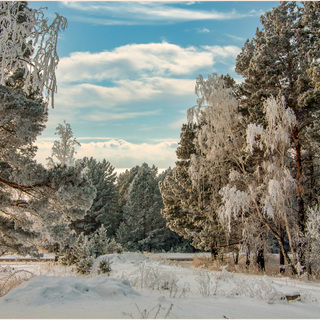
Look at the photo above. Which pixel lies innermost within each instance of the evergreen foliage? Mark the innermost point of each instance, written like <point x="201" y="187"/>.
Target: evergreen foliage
<point x="143" y="224"/>
<point x="87" y="248"/>
<point x="36" y="203"/>
<point x="143" y="228"/>
<point x="105" y="209"/>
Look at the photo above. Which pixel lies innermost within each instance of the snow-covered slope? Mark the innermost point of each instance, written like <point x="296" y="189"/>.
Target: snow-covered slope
<point x="142" y="286"/>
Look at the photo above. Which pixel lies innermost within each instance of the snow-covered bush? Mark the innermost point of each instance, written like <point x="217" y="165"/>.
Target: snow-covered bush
<point x="113" y="247"/>
<point x="104" y="266"/>
<point x="204" y="284"/>
<point x="11" y="278"/>
<point x="84" y="265"/>
<point x="151" y="278"/>
<point x="86" y="249"/>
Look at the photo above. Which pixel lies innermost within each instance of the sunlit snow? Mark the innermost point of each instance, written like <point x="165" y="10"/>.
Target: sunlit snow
<point x="150" y="286"/>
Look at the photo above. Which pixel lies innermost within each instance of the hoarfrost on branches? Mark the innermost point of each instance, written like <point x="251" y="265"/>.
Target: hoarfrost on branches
<point x="28" y="44"/>
<point x="235" y="203"/>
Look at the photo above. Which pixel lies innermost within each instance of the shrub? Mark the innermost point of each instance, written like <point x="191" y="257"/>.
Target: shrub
<point x="87" y="248"/>
<point x="104" y="266"/>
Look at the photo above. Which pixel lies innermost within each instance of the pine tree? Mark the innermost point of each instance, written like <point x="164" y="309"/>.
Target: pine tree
<point x="105" y="209"/>
<point x="63" y="150"/>
<point x="143" y="225"/>
<point x="35" y="202"/>
<point x="124" y="180"/>
<point x="179" y="198"/>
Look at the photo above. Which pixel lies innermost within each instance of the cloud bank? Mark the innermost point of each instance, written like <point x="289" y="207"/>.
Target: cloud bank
<point x="120" y="153"/>
<point x="110" y="82"/>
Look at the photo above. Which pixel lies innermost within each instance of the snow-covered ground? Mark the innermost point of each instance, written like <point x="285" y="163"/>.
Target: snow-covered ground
<point x="148" y="286"/>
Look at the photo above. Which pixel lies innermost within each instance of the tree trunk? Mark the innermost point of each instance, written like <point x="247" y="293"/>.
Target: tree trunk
<point x="281" y="255"/>
<point x="236" y="259"/>
<point x="301" y="211"/>
<point x="248" y="257"/>
<point x="214" y="250"/>
<point x="260" y="260"/>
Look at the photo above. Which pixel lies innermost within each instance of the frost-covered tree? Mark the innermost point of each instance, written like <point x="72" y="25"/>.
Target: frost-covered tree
<point x="28" y="48"/>
<point x="105" y="208"/>
<point x="283" y="60"/>
<point x="209" y="147"/>
<point x="71" y="196"/>
<point x="218" y="143"/>
<point x="35" y="203"/>
<point x="266" y="191"/>
<point x="313" y="236"/>
<point x="63" y="150"/>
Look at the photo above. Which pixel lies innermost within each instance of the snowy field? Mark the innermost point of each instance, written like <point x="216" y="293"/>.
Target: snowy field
<point x="149" y="286"/>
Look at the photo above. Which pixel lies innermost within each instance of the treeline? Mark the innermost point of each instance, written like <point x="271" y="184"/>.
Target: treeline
<point x="68" y="203"/>
<point x="247" y="175"/>
<point x="248" y="171"/>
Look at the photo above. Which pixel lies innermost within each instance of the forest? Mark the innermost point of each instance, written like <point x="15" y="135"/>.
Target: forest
<point x="247" y="176"/>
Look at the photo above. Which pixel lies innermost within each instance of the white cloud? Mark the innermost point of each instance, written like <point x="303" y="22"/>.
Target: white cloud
<point x="223" y="52"/>
<point x="148" y="13"/>
<point x="124" y="92"/>
<point x="108" y="116"/>
<point x="120" y="153"/>
<point x="108" y="83"/>
<point x="91" y="95"/>
<point x="132" y="60"/>
<point x="203" y="30"/>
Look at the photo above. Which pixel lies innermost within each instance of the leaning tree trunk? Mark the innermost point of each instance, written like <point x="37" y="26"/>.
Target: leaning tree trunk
<point x="301" y="210"/>
<point x="281" y="255"/>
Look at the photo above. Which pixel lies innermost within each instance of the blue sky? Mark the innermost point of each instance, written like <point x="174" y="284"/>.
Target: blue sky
<point x="127" y="71"/>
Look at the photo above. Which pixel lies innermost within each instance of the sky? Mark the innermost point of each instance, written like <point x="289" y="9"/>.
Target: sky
<point x="127" y="71"/>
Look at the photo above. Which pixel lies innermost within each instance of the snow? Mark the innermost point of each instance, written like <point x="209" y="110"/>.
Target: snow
<point x="149" y="286"/>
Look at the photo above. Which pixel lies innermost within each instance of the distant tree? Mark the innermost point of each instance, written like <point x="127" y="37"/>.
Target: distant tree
<point x="143" y="226"/>
<point x="105" y="208"/>
<point x="63" y="150"/>
<point x="124" y="180"/>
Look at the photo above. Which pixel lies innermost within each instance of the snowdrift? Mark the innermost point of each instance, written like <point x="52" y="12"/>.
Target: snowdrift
<point x="43" y="290"/>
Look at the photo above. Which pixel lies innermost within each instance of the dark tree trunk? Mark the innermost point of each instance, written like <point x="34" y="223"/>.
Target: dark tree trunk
<point x="248" y="257"/>
<point x="301" y="211"/>
<point x="214" y="250"/>
<point x="236" y="260"/>
<point x="260" y="260"/>
<point x="281" y="255"/>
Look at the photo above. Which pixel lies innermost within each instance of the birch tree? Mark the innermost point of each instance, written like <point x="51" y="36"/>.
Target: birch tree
<point x="28" y="49"/>
<point x="63" y="150"/>
<point x="267" y="192"/>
